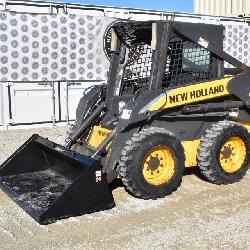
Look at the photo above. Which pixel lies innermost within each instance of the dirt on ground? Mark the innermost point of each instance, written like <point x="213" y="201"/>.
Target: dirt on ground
<point x="199" y="215"/>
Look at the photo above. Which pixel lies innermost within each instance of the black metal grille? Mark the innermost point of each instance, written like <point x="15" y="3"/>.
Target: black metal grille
<point x="187" y="62"/>
<point x="134" y="33"/>
<point x="138" y="69"/>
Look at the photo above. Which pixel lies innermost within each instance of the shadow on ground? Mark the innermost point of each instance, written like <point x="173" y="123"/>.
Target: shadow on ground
<point x="117" y="183"/>
<point x="194" y="171"/>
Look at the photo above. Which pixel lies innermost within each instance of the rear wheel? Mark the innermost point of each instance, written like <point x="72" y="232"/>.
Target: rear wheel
<point x="224" y="152"/>
<point x="152" y="163"/>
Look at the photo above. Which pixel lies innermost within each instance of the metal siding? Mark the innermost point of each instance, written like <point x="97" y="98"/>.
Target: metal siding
<point x="222" y="7"/>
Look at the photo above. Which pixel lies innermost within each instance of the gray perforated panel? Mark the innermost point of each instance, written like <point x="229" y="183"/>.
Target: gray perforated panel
<point x="39" y="47"/>
<point x="236" y="42"/>
<point x="52" y="47"/>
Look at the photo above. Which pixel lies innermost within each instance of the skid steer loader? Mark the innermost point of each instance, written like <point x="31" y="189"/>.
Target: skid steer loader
<point x="168" y="104"/>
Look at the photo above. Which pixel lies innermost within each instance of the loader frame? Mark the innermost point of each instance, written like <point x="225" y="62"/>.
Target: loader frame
<point x="170" y="37"/>
<point x="166" y="89"/>
<point x="162" y="94"/>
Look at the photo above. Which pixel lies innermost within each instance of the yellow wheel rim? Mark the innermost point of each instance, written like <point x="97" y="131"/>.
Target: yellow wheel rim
<point x="158" y="165"/>
<point x="232" y="154"/>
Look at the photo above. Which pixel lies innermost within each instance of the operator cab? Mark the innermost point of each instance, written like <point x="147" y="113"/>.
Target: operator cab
<point x="154" y="55"/>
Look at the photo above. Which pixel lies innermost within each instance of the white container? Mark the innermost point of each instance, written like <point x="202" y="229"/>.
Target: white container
<point x="33" y="102"/>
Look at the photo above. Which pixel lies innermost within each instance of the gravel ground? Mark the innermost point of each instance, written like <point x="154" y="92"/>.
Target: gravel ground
<point x="199" y="215"/>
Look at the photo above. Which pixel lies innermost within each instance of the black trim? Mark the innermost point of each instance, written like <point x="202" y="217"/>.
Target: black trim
<point x="160" y="56"/>
<point x="239" y="86"/>
<point x="208" y="107"/>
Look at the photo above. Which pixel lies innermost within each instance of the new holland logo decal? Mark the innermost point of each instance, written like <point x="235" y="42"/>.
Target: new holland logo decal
<point x="192" y="95"/>
<point x="189" y="94"/>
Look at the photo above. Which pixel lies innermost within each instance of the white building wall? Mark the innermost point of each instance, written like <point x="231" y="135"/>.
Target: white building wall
<point x="222" y="7"/>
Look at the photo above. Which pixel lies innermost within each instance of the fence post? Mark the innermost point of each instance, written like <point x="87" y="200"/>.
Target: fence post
<point x="67" y="102"/>
<point x="54" y="103"/>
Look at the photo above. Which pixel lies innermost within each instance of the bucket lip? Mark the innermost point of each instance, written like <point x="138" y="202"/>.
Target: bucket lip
<point x="69" y="155"/>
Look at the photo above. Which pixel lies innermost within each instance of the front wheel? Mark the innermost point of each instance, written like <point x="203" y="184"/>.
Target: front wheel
<point x="152" y="163"/>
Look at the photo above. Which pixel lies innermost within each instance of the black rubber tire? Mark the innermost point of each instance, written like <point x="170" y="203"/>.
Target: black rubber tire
<point x="210" y="147"/>
<point x="131" y="164"/>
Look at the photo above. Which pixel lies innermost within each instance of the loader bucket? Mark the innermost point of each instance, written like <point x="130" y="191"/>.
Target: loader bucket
<point x="51" y="182"/>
